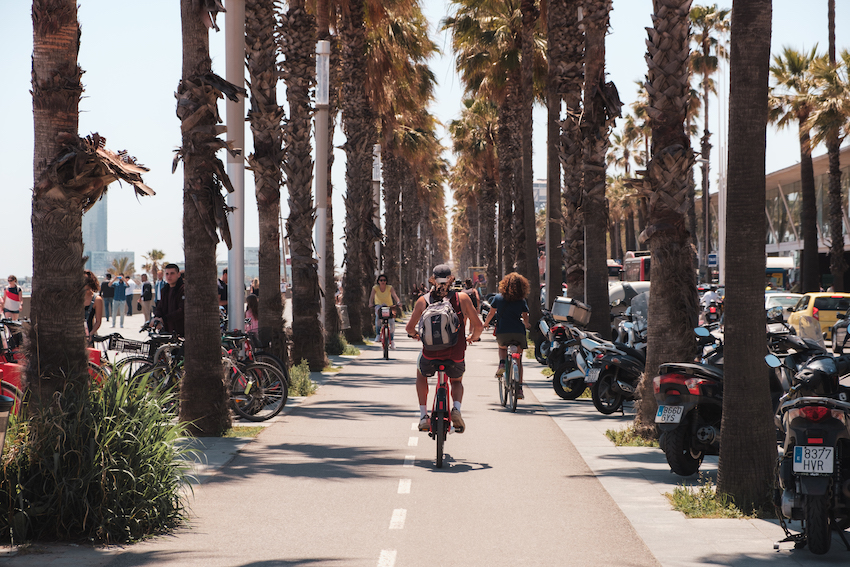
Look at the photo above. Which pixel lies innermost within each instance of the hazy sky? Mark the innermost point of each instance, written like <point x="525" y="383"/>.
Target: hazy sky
<point x="131" y="57"/>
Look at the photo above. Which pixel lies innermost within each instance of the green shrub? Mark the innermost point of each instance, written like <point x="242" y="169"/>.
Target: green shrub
<point x="703" y="501"/>
<point x="102" y="464"/>
<point x="335" y="344"/>
<point x="351" y="350"/>
<point x="301" y="384"/>
<point x="628" y="437"/>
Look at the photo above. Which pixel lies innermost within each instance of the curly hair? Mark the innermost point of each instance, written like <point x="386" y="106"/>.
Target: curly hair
<point x="91" y="281"/>
<point x="514" y="287"/>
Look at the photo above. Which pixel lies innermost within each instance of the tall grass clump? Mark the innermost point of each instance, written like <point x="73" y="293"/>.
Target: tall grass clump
<point x="100" y="464"/>
<point x="335" y="344"/>
<point x="300" y="382"/>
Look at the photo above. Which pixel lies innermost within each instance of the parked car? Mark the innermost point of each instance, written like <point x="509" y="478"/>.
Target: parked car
<point x="781" y="299"/>
<point x="818" y="310"/>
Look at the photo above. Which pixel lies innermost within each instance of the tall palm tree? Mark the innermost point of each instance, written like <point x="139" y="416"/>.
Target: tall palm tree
<point x="711" y="25"/>
<point x="298" y="28"/>
<point x="748" y="451"/>
<point x="830" y="123"/>
<point x="122" y="265"/>
<point x="360" y="127"/>
<point x="791" y="101"/>
<point x="665" y="185"/>
<point x="155" y="260"/>
<point x="69" y="175"/>
<point x="265" y="117"/>
<point x="601" y="107"/>
<point x="204" y="403"/>
<point x="474" y="142"/>
<point x="571" y="81"/>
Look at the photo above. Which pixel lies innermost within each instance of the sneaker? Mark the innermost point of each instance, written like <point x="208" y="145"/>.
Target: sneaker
<point x="378" y="338"/>
<point x="519" y="394"/>
<point x="392" y="345"/>
<point x="501" y="371"/>
<point x="457" y="421"/>
<point x="425" y="423"/>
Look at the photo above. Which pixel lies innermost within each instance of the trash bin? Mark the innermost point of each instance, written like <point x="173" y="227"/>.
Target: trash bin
<point x="6" y="404"/>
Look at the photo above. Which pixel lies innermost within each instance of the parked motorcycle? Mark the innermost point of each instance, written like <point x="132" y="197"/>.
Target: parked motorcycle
<point x="814" y="468"/>
<point x="616" y="372"/>
<point x="712" y="311"/>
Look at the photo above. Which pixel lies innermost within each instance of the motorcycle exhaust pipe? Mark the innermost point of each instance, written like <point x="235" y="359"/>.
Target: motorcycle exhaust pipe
<point x="790" y="500"/>
<point x="625" y="387"/>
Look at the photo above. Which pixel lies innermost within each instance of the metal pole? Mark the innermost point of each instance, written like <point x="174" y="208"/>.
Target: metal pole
<point x="323" y="53"/>
<point x="234" y="41"/>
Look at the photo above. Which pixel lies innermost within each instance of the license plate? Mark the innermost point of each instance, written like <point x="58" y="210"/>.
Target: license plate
<point x="669" y="414"/>
<point x="592" y="375"/>
<point x="813" y="460"/>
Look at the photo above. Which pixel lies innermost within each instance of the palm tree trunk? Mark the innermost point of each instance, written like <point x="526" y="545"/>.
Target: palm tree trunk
<point x="359" y="126"/>
<point x="56" y="337"/>
<point x="573" y="79"/>
<point x="674" y="297"/>
<point x="837" y="264"/>
<point x="394" y="171"/>
<point x="595" y="126"/>
<point x="265" y="117"/>
<point x="488" y="229"/>
<point x="203" y="399"/>
<point x="504" y="143"/>
<point x="808" y="215"/>
<point x="748" y="451"/>
<point x="299" y="72"/>
<point x="332" y="321"/>
<point x="630" y="231"/>
<point x="705" y="152"/>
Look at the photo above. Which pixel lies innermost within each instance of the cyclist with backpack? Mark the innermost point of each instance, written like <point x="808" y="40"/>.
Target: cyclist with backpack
<point x="439" y="321"/>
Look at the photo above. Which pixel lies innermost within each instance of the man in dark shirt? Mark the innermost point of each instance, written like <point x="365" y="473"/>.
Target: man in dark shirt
<point x="169" y="309"/>
<point x="222" y="290"/>
<point x="107" y="293"/>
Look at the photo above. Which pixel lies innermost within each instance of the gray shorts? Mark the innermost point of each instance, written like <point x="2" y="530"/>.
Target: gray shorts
<point x="429" y="367"/>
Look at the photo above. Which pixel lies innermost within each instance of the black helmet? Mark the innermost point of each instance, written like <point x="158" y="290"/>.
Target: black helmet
<point x="819" y="377"/>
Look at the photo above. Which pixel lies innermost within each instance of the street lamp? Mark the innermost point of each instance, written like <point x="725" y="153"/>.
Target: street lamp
<point x="323" y="56"/>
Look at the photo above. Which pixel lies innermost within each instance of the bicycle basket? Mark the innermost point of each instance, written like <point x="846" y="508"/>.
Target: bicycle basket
<point x="128" y="345"/>
<point x="385" y="312"/>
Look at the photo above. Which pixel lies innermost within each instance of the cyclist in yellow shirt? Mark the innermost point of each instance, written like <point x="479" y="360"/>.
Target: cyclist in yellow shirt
<point x="383" y="294"/>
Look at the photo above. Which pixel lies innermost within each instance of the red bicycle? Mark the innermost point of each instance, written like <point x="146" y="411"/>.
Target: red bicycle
<point x="385" y="313"/>
<point x="441" y="413"/>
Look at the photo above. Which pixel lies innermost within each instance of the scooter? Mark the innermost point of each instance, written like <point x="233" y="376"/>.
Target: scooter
<point x="814" y="468"/>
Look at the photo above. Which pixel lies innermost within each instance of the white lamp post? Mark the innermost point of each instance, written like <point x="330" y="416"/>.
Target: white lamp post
<point x="323" y="56"/>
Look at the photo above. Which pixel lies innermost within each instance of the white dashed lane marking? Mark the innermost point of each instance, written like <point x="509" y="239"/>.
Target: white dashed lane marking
<point x="409" y="460"/>
<point x="404" y="485"/>
<point x="413" y="442"/>
<point x="414" y="426"/>
<point x="397" y="521"/>
<point x="387" y="558"/>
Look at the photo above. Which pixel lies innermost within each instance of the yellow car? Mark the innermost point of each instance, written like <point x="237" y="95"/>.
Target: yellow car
<point x="818" y="310"/>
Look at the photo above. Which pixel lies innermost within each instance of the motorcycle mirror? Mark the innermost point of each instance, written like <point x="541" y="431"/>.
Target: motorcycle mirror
<point x="774" y="314"/>
<point x="773" y="361"/>
<point x="702" y="332"/>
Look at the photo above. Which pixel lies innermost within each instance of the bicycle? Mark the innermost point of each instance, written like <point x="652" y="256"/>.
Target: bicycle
<point x="441" y="413"/>
<point x="386" y="314"/>
<point x="509" y="382"/>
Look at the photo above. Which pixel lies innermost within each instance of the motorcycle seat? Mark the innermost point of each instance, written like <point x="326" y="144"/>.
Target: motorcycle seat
<point x="692" y="369"/>
<point x="631" y="352"/>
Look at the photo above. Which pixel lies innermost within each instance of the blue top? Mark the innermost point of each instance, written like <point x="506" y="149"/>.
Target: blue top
<point x="509" y="316"/>
<point x="120" y="288"/>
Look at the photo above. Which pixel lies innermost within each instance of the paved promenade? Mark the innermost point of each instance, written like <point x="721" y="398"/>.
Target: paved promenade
<point x="343" y="478"/>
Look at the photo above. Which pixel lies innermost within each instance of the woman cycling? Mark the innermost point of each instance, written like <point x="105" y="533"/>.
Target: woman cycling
<point x="383" y="294"/>
<point x="512" y="321"/>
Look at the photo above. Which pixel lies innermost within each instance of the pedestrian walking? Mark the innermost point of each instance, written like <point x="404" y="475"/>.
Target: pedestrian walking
<point x="146" y="297"/>
<point x="119" y="300"/>
<point x="107" y="293"/>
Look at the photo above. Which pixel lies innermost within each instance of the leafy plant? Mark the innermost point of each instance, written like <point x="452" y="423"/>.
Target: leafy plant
<point x="335" y="344"/>
<point x="301" y="384"/>
<point x="101" y="463"/>
<point x="703" y="501"/>
<point x="628" y="437"/>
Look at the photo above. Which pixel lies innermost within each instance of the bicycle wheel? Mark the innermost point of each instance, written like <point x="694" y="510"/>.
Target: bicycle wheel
<point x="98" y="373"/>
<point x="161" y="379"/>
<point x="258" y="391"/>
<point x="514" y="384"/>
<point x="441" y="438"/>
<point x="385" y="341"/>
<point x="16" y="394"/>
<point x="269" y="358"/>
<point x="130" y="365"/>
<point x="503" y="390"/>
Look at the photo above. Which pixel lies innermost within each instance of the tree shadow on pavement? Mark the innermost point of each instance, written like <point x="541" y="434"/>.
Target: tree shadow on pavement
<point x="139" y="559"/>
<point x="306" y="460"/>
